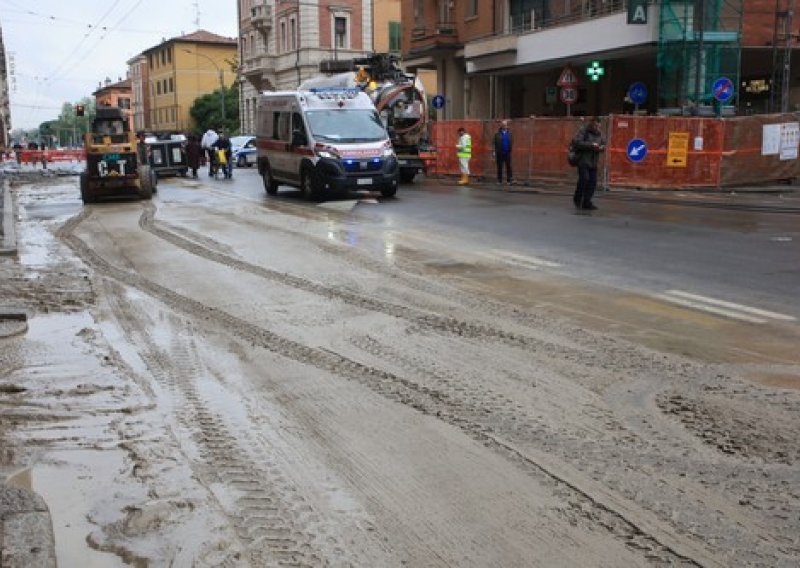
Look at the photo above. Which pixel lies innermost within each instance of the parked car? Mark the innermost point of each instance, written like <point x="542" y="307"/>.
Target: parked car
<point x="243" y="150"/>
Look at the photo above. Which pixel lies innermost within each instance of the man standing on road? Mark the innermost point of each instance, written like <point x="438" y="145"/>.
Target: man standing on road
<point x="588" y="142"/>
<point x="464" y="153"/>
<point x="207" y="143"/>
<point x="503" y="143"/>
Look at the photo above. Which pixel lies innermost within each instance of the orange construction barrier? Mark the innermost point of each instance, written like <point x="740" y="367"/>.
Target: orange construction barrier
<point x="35" y="156"/>
<point x="682" y="151"/>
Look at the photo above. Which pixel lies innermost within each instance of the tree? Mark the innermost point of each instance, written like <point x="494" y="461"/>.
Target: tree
<point x="206" y="111"/>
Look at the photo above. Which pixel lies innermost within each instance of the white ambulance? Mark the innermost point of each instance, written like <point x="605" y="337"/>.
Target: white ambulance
<point x="324" y="141"/>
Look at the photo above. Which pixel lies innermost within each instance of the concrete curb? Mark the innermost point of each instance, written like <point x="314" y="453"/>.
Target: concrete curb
<point x="9" y="245"/>
<point x="26" y="529"/>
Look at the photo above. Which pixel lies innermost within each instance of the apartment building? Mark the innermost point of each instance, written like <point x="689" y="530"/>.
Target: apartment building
<point x="180" y="70"/>
<point x="5" y="93"/>
<point x="282" y="42"/>
<point x="140" y="104"/>
<point x="116" y="94"/>
<point x="497" y="58"/>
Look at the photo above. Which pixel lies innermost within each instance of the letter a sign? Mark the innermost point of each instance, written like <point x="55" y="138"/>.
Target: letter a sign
<point x="637" y="12"/>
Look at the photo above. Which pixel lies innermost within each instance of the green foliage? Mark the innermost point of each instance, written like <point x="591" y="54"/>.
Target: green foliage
<point x="68" y="128"/>
<point x="207" y="112"/>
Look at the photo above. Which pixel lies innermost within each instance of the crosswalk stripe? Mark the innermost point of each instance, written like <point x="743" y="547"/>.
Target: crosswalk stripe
<point x="731" y="305"/>
<point x="528" y="261"/>
<point x="709" y="308"/>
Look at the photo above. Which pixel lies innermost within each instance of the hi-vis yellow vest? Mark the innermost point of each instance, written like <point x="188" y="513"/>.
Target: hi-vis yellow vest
<point x="464" y="148"/>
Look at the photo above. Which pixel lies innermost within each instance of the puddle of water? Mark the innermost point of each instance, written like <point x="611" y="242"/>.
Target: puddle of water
<point x="72" y="488"/>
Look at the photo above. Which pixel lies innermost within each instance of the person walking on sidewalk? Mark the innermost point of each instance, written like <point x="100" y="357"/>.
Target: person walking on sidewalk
<point x="464" y="154"/>
<point x="503" y="142"/>
<point x="589" y="143"/>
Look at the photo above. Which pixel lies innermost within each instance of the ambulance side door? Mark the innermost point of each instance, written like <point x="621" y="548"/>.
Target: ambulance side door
<point x="297" y="152"/>
<point x="279" y="159"/>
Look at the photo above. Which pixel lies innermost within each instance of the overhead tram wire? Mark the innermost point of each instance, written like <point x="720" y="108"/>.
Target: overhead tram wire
<point x="106" y="32"/>
<point x="55" y="74"/>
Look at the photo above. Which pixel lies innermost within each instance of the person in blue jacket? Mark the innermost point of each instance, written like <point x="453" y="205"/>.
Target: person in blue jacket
<point x="503" y="142"/>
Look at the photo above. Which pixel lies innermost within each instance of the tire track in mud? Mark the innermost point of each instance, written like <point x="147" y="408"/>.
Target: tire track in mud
<point x="664" y="547"/>
<point x="270" y="517"/>
<point x="600" y="352"/>
<point x="427" y="320"/>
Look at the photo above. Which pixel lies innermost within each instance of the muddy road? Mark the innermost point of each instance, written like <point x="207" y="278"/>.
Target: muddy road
<point x="216" y="378"/>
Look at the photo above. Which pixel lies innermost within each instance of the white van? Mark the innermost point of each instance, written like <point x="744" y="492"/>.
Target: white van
<point x="324" y="141"/>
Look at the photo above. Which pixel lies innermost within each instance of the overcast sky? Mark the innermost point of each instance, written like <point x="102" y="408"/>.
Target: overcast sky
<point x="63" y="49"/>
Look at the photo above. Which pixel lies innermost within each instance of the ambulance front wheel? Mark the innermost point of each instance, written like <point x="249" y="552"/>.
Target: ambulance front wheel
<point x="309" y="184"/>
<point x="270" y="184"/>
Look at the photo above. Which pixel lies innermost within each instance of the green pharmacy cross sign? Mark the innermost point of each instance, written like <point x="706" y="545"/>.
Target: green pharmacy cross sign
<point x="595" y="71"/>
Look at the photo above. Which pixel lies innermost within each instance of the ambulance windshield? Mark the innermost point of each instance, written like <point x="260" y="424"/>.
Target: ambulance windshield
<point x="347" y="126"/>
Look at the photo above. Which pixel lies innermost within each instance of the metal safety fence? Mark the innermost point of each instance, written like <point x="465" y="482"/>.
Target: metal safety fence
<point x="653" y="152"/>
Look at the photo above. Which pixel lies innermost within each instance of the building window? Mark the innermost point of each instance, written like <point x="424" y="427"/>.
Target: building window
<point x="169" y="55"/>
<point x="125" y="103"/>
<point x="283" y="36"/>
<point x="158" y="87"/>
<point x="292" y="34"/>
<point x="394" y="37"/>
<point x="445" y="7"/>
<point x="472" y="8"/>
<point x="419" y="14"/>
<point x="171" y="85"/>
<point x="163" y="57"/>
<point x="340" y="32"/>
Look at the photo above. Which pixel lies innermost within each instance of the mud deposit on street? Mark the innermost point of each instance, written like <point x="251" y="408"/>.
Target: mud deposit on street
<point x="223" y="381"/>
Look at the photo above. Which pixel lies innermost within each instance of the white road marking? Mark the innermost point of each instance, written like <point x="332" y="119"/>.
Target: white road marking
<point x="526" y="261"/>
<point x="732" y="306"/>
<point x="710" y="309"/>
<point x="721" y="307"/>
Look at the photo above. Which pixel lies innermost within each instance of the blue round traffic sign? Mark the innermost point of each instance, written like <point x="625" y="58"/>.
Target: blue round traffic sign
<point x="637" y="93"/>
<point x="637" y="150"/>
<point x="723" y="89"/>
<point x="438" y="101"/>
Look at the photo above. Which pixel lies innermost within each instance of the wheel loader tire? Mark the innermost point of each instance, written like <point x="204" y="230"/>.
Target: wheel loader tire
<point x="85" y="197"/>
<point x="145" y="183"/>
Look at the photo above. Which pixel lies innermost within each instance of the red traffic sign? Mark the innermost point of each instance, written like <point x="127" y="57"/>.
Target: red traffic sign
<point x="569" y="95"/>
<point x="567" y="78"/>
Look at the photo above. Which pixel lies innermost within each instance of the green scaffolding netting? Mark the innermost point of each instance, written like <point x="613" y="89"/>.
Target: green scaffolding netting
<point x="699" y="44"/>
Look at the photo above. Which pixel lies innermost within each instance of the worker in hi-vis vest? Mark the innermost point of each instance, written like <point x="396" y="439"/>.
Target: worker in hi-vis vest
<point x="464" y="153"/>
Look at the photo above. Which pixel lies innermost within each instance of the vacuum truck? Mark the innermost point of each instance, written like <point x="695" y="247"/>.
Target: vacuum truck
<point x="398" y="97"/>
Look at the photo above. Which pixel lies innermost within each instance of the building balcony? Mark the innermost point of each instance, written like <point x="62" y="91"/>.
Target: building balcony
<point x="261" y="16"/>
<point x="440" y="35"/>
<point x="560" y="40"/>
<point x="258" y="70"/>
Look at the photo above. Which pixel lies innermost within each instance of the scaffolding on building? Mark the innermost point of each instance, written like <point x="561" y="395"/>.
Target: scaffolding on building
<point x="699" y="47"/>
<point x="781" y="56"/>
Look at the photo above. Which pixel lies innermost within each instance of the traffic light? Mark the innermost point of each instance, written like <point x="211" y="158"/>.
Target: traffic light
<point x="79" y="110"/>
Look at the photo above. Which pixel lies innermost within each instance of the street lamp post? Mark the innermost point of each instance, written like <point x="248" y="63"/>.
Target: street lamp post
<point x="221" y="82"/>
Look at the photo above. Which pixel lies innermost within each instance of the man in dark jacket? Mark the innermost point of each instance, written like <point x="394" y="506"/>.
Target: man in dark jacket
<point x="223" y="143"/>
<point x="503" y="142"/>
<point x="589" y="143"/>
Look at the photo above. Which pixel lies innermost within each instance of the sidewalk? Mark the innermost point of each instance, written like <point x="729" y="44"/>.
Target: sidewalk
<point x="26" y="532"/>
<point x="784" y="197"/>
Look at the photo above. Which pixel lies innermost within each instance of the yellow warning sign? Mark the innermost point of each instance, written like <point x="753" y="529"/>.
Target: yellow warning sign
<point x="678" y="149"/>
